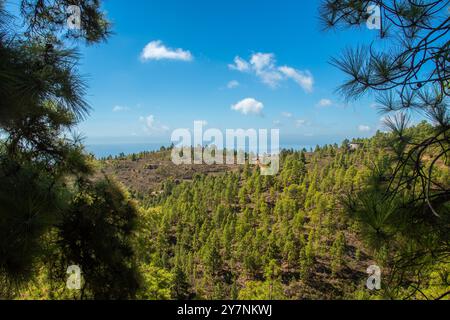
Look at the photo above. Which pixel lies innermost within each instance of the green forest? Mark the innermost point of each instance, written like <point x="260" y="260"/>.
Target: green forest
<point x="309" y="232"/>
<point x="293" y="236"/>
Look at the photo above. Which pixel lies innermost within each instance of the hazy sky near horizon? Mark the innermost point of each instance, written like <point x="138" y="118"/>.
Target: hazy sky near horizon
<point x="233" y="64"/>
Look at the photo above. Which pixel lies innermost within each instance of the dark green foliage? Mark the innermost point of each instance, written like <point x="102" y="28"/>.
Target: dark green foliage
<point x="180" y="289"/>
<point x="51" y="213"/>
<point x="95" y="234"/>
<point x="27" y="211"/>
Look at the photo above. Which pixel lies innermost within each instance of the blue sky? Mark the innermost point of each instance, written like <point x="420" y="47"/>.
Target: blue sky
<point x="188" y="72"/>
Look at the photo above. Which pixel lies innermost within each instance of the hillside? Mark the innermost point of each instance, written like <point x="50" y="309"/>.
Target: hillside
<point x="222" y="227"/>
<point x="228" y="232"/>
<point x="145" y="173"/>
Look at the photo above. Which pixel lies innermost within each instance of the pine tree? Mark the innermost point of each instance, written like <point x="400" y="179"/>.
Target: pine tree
<point x="337" y="252"/>
<point x="181" y="287"/>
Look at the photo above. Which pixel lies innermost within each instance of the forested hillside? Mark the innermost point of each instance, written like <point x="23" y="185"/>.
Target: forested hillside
<point x="291" y="236"/>
<point x="243" y="235"/>
<point x="236" y="234"/>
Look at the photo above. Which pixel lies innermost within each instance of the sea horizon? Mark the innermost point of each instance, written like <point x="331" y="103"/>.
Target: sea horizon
<point x="103" y="150"/>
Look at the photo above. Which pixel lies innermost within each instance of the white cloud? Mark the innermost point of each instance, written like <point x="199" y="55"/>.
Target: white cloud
<point x="262" y="60"/>
<point x="156" y="50"/>
<point x="286" y="114"/>
<point x="277" y="123"/>
<point x="303" y="78"/>
<point x="324" y="103"/>
<point x="149" y="121"/>
<point x="248" y="106"/>
<point x="239" y="65"/>
<point x="363" y="128"/>
<point x="120" y="108"/>
<point x="271" y="78"/>
<point x="232" y="84"/>
<point x="264" y="66"/>
<point x="300" y="122"/>
<point x="151" y="125"/>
